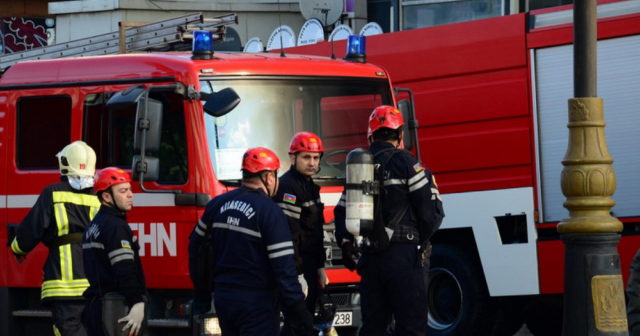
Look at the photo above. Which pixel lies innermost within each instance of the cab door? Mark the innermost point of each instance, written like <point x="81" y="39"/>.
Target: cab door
<point x="39" y="123"/>
<point x="161" y="226"/>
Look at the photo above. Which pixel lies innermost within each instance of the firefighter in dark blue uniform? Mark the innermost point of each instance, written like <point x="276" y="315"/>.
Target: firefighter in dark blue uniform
<point x="633" y="296"/>
<point x="254" y="272"/>
<point x="299" y="198"/>
<point x="394" y="271"/>
<point x="111" y="257"/>
<point x="60" y="215"/>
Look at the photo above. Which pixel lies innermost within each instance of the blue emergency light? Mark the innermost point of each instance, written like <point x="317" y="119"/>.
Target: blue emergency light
<point x="202" y="47"/>
<point x="356" y="46"/>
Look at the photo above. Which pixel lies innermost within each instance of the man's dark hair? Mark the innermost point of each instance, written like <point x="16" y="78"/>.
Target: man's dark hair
<point x="386" y="134"/>
<point x="99" y="194"/>
<point x="247" y="174"/>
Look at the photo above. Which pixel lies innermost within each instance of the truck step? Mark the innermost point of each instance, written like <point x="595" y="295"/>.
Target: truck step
<point x="169" y="323"/>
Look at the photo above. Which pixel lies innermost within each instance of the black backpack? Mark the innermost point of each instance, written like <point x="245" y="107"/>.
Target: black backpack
<point x="378" y="239"/>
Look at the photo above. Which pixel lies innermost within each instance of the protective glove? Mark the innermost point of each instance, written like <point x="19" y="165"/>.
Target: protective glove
<point x="323" y="280"/>
<point x="200" y="306"/>
<point x="348" y="255"/>
<point x="299" y="319"/>
<point x="134" y="319"/>
<point x="303" y="284"/>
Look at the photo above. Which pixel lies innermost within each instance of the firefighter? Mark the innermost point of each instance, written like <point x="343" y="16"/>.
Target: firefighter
<point x="299" y="198"/>
<point x="111" y="258"/>
<point x="61" y="213"/>
<point x="633" y="296"/>
<point x="253" y="266"/>
<point x="394" y="269"/>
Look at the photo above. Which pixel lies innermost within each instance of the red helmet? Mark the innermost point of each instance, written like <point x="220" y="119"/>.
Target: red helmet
<point x="305" y="142"/>
<point x="258" y="159"/>
<point x="110" y="176"/>
<point x="384" y="116"/>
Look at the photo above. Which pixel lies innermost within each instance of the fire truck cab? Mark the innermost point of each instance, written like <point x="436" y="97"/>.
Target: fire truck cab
<point x="186" y="155"/>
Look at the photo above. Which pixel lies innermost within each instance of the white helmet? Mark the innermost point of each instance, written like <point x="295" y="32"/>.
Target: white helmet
<point x="77" y="159"/>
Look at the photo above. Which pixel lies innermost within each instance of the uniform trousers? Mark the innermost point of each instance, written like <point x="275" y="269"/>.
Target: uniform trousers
<point x="247" y="312"/>
<point x="393" y="285"/>
<point x="67" y="316"/>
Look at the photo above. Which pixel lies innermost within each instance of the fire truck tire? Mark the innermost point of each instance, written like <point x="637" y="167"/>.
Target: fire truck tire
<point x="458" y="299"/>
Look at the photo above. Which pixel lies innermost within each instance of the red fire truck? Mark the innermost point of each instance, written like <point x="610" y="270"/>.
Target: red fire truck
<point x="152" y="109"/>
<point x="491" y="102"/>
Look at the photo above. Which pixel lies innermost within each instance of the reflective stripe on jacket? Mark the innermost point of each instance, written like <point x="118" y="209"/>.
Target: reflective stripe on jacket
<point x="59" y="216"/>
<point x="112" y="258"/>
<point x="299" y="198"/>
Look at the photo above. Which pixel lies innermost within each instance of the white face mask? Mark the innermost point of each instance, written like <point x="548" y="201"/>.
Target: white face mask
<point x="80" y="182"/>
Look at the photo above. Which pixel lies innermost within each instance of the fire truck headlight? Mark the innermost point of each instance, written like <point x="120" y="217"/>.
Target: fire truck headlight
<point x="211" y="327"/>
<point x="356" y="48"/>
<point x="355" y="299"/>
<point x="202" y="47"/>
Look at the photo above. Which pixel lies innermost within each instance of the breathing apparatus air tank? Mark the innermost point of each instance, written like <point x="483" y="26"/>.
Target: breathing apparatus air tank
<point x="360" y="189"/>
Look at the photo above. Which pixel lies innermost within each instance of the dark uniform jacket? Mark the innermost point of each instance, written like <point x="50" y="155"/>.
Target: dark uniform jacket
<point x="58" y="219"/>
<point x="111" y="257"/>
<point x="633" y="296"/>
<point x="405" y="182"/>
<point x="251" y="245"/>
<point x="299" y="198"/>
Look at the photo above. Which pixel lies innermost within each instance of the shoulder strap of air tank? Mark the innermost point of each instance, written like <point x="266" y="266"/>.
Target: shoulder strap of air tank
<point x="389" y="152"/>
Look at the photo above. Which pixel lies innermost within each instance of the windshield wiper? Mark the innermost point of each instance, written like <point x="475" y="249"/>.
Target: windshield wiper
<point x="329" y="180"/>
<point x="230" y="183"/>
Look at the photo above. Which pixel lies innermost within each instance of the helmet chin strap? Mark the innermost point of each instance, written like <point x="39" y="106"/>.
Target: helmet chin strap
<point x="113" y="202"/>
<point x="264" y="183"/>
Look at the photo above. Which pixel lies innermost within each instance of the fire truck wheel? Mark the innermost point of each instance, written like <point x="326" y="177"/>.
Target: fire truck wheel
<point x="457" y="296"/>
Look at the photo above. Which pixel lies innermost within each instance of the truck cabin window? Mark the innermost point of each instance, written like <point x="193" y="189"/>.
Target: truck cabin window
<point x="272" y="110"/>
<point x="110" y="133"/>
<point x="43" y="129"/>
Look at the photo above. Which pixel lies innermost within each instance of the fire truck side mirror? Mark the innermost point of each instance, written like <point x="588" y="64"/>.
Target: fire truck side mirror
<point x="150" y="168"/>
<point x="222" y="102"/>
<point x="148" y="125"/>
<point x="126" y="98"/>
<point x="405" y="108"/>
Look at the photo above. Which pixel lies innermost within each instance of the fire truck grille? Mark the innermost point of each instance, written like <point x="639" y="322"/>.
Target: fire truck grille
<point x="341" y="299"/>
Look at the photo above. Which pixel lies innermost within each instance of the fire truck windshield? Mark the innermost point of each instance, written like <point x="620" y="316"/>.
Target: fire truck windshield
<point x="273" y="109"/>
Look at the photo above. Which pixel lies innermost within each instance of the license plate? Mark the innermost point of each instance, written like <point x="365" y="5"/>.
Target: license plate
<point x="343" y="319"/>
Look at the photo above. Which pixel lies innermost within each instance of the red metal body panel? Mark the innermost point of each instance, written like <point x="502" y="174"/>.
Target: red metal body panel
<point x="479" y="67"/>
<point x="443" y="51"/>
<point x="551" y="266"/>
